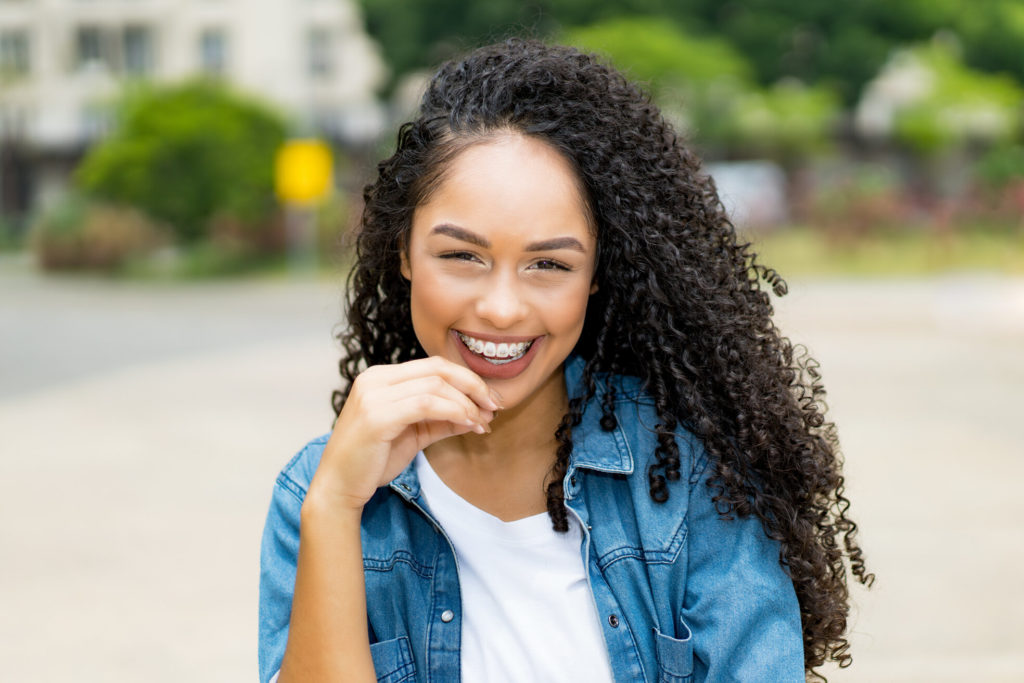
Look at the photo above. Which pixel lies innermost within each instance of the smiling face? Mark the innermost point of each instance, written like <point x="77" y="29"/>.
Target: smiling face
<point x="500" y="261"/>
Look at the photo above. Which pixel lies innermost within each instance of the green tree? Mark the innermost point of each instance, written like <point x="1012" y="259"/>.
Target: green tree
<point x="957" y="105"/>
<point x="708" y="88"/>
<point x="187" y="153"/>
<point x="661" y="54"/>
<point x="415" y="35"/>
<point x="840" y="44"/>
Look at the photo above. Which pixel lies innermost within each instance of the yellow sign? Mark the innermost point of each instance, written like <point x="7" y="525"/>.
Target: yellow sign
<point x="302" y="171"/>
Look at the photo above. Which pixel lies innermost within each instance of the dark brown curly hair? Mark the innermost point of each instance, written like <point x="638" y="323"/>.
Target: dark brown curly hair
<point x="681" y="305"/>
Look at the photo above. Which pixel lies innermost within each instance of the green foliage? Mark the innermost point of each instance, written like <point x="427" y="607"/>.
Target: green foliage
<point x="842" y="44"/>
<point x="187" y="153"/>
<point x="657" y="52"/>
<point x="206" y="260"/>
<point x="10" y="236"/>
<point x="993" y="32"/>
<point x="1002" y="165"/>
<point x="708" y="88"/>
<point x="78" y="233"/>
<point x="786" y="121"/>
<point x="959" y="105"/>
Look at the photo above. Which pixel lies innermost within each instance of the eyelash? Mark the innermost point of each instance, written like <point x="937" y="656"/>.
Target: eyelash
<point x="551" y="264"/>
<point x="457" y="255"/>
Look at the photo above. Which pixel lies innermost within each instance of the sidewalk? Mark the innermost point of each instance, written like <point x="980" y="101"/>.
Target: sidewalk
<point x="141" y="428"/>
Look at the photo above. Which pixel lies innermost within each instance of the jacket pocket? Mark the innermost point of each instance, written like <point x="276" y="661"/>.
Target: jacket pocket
<point x="675" y="657"/>
<point x="392" y="660"/>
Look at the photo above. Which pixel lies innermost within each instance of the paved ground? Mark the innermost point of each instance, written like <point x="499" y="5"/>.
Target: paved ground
<point x="141" y="428"/>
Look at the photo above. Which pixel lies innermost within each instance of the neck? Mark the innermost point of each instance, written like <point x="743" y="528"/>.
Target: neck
<point x="522" y="436"/>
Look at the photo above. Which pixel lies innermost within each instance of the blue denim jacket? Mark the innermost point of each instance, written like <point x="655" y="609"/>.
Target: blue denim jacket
<point x="683" y="595"/>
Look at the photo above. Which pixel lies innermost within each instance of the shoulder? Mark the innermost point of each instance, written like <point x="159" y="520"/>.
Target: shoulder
<point x="294" y="478"/>
<point x="636" y="426"/>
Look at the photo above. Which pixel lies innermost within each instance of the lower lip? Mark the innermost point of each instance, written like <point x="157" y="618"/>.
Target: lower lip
<point x="491" y="371"/>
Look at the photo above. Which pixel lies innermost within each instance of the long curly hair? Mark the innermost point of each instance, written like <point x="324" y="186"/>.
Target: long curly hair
<point x="681" y="305"/>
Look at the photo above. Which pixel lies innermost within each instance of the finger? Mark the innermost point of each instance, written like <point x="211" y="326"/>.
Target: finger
<point x="439" y="386"/>
<point x="462" y="378"/>
<point x="423" y="407"/>
<point x="432" y="431"/>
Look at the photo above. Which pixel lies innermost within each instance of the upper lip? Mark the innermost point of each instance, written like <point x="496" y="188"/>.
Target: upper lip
<point x="496" y="338"/>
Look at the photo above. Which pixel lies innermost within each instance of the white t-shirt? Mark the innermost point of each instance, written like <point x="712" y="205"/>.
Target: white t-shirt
<point x="527" y="610"/>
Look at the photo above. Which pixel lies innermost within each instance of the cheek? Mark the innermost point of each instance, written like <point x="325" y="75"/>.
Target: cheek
<point x="433" y="304"/>
<point x="567" y="313"/>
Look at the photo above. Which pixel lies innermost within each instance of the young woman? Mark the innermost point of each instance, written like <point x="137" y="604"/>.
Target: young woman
<point x="571" y="444"/>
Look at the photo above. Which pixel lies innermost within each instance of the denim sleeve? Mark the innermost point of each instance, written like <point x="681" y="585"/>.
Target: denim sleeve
<point x="740" y="605"/>
<point x="278" y="557"/>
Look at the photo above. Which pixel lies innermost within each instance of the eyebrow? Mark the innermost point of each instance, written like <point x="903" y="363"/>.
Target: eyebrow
<point x="473" y="238"/>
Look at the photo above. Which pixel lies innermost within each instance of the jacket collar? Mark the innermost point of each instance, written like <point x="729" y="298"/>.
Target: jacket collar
<point x="593" y="447"/>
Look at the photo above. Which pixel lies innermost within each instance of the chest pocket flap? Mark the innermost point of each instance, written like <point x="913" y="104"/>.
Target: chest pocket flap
<point x="675" y="658"/>
<point x="392" y="660"/>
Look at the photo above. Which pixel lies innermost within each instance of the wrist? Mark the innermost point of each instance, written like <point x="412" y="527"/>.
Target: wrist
<point x="321" y="502"/>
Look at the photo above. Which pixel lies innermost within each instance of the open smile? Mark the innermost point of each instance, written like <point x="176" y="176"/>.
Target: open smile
<point x="497" y="353"/>
<point x="496" y="357"/>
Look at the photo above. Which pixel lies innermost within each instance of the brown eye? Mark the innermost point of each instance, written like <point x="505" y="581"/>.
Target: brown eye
<point x="458" y="256"/>
<point x="548" y="264"/>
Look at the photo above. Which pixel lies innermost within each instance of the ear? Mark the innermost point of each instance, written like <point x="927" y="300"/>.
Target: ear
<point x="404" y="266"/>
<point x="593" y="286"/>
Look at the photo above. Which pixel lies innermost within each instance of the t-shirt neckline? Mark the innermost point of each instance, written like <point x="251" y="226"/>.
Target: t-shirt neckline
<point x="454" y="509"/>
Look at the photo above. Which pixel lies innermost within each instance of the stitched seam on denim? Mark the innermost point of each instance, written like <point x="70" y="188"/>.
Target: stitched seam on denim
<point x="631" y="396"/>
<point x="700" y="465"/>
<point x="405" y="668"/>
<point x="647" y="556"/>
<point x="602" y="381"/>
<point x="402" y="556"/>
<point x="431" y="625"/>
<point x="319" y="441"/>
<point x="620" y="553"/>
<point x="291" y="486"/>
<point x="622" y="443"/>
<point x="669" y="555"/>
<point x="284" y="478"/>
<point x="406" y="676"/>
<point x="664" y="674"/>
<point x="636" y="648"/>
<point x="634" y="396"/>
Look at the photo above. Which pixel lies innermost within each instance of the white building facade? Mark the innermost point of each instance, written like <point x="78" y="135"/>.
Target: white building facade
<point x="63" y="61"/>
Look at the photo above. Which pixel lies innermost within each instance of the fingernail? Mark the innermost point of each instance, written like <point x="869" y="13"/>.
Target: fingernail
<point x="496" y="399"/>
<point x="480" y="429"/>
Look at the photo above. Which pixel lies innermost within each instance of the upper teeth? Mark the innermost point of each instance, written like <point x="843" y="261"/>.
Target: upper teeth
<point x="492" y="350"/>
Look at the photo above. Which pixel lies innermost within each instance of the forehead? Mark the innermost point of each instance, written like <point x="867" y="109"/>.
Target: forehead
<point x="510" y="183"/>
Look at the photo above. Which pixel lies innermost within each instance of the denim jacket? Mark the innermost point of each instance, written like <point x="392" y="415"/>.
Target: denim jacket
<point x="683" y="595"/>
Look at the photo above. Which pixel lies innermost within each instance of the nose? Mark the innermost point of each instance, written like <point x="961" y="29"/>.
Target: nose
<point x="501" y="303"/>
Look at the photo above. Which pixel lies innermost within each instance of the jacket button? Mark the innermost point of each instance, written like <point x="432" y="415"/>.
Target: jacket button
<point x="447" y="615"/>
<point x="613" y="621"/>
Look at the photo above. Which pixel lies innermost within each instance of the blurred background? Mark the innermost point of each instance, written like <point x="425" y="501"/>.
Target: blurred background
<point x="177" y="181"/>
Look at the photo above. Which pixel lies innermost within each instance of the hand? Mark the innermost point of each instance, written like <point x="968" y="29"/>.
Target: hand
<point x="393" y="412"/>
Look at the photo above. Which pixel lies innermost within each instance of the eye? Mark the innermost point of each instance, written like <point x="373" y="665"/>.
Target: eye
<point x="549" y="264"/>
<point x="458" y="256"/>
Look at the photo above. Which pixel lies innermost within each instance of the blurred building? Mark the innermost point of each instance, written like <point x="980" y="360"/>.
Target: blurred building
<point x="62" y="62"/>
